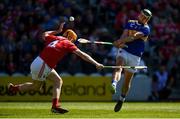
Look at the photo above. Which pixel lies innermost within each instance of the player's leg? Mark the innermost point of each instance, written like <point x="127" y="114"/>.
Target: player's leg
<point x="28" y="86"/>
<point x="57" y="85"/>
<point x="38" y="69"/>
<point x="128" y="76"/>
<point x="131" y="60"/>
<point x="116" y="74"/>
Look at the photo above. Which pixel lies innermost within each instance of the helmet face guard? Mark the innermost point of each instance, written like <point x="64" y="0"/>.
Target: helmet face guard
<point x="145" y="16"/>
<point x="147" y="13"/>
<point x="70" y="34"/>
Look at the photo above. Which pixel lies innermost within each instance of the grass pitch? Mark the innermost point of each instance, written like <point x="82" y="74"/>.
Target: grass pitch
<point x="90" y="110"/>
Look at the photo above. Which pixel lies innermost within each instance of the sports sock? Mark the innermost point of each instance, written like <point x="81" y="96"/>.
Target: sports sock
<point x="114" y="82"/>
<point x="55" y="102"/>
<point x="122" y="97"/>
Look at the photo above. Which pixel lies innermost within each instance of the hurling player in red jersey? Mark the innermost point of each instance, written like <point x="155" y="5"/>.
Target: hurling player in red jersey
<point x="42" y="67"/>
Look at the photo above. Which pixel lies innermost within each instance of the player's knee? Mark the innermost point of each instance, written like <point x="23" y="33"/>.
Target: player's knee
<point x="59" y="81"/>
<point x="118" y="70"/>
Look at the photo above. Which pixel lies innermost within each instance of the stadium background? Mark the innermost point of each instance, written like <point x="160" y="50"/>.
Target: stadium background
<point x="23" y="21"/>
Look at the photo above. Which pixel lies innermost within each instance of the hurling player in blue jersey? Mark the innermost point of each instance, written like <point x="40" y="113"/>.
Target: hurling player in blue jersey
<point x="134" y="36"/>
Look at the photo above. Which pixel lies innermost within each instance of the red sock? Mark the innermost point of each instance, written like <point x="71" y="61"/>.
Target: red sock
<point x="55" y="102"/>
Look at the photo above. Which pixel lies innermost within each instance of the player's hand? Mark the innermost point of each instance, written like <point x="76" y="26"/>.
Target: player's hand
<point x="99" y="66"/>
<point x="119" y="44"/>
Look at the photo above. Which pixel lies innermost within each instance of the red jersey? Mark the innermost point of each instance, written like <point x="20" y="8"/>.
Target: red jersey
<point x="55" y="49"/>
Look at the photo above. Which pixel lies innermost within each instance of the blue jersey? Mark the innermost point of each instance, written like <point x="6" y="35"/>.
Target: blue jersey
<point x="136" y="47"/>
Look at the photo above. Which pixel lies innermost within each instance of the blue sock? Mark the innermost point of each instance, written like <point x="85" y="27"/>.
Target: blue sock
<point x="114" y="82"/>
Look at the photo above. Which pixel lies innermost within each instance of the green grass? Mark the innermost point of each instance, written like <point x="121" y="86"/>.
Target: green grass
<point x="90" y="110"/>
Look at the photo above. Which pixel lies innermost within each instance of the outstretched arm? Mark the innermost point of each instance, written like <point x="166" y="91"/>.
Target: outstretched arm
<point x="88" y="58"/>
<point x="59" y="30"/>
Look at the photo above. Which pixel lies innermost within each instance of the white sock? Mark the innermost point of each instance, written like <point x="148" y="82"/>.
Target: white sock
<point x="122" y="98"/>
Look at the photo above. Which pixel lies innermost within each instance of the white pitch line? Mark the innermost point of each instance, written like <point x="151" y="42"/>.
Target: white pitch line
<point x="89" y="118"/>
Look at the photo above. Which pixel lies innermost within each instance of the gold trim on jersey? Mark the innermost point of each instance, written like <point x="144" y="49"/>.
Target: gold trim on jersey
<point x="132" y="20"/>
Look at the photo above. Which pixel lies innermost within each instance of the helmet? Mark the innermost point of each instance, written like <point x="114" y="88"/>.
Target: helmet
<point x="70" y="34"/>
<point x="145" y="16"/>
<point x="146" y="13"/>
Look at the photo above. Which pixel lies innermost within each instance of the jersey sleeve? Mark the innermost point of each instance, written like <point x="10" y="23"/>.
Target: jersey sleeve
<point x="70" y="47"/>
<point x="129" y="25"/>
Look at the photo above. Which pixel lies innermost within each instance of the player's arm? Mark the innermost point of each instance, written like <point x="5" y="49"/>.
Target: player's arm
<point x="88" y="58"/>
<point x="125" y="38"/>
<point x="142" y="34"/>
<point x="59" y="30"/>
<point x="122" y="40"/>
<point x="138" y="35"/>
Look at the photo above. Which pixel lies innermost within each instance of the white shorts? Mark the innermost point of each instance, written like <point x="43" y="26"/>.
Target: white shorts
<point x="129" y="59"/>
<point x="39" y="69"/>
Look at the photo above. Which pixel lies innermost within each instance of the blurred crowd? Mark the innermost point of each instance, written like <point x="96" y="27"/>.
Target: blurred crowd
<point x="23" y="21"/>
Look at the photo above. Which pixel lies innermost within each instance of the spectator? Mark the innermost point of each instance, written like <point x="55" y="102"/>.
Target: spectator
<point x="21" y="24"/>
<point x="10" y="64"/>
<point x="162" y="83"/>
